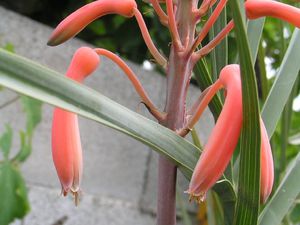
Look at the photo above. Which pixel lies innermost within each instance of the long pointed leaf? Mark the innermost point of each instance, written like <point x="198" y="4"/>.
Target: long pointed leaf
<point x="249" y="175"/>
<point x="283" y="84"/>
<point x="29" y="78"/>
<point x="219" y="55"/>
<point x="284" y="196"/>
<point x="254" y="32"/>
<point x="32" y="79"/>
<point x="204" y="80"/>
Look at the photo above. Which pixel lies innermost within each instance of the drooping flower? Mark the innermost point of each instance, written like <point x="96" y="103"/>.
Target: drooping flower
<point x="66" y="145"/>
<point x="223" y="140"/>
<point x="79" y="19"/>
<point x="260" y="8"/>
<point x="267" y="165"/>
<point x="224" y="137"/>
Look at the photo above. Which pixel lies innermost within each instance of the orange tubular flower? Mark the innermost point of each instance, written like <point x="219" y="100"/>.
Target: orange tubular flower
<point x="260" y="8"/>
<point x="267" y="166"/>
<point x="66" y="145"/>
<point x="224" y="137"/>
<point x="79" y="19"/>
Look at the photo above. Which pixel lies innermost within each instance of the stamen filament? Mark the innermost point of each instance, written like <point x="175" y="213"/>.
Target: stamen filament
<point x="145" y="33"/>
<point x="134" y="80"/>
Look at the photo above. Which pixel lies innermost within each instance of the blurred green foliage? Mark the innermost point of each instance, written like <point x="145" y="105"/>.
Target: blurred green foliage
<point x="13" y="192"/>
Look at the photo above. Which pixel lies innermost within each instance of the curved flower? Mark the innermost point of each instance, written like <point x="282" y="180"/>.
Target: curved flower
<point x="66" y="145"/>
<point x="79" y="19"/>
<point x="267" y="166"/>
<point x="259" y="8"/>
<point x="223" y="140"/>
<point x="224" y="137"/>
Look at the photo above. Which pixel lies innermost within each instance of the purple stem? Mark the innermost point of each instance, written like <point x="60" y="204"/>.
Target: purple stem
<point x="178" y="78"/>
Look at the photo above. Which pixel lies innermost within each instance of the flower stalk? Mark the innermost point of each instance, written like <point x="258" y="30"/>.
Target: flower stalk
<point x="66" y="144"/>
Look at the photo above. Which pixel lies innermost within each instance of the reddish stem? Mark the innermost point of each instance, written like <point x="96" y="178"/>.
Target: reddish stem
<point x="213" y="43"/>
<point x="178" y="77"/>
<point x="208" y="25"/>
<point x="201" y="107"/>
<point x="205" y="5"/>
<point x="134" y="80"/>
<point x="145" y="33"/>
<point x="172" y="24"/>
<point x="161" y="14"/>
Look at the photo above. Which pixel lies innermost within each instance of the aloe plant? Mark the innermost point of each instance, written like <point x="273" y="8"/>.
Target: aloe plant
<point x="187" y="54"/>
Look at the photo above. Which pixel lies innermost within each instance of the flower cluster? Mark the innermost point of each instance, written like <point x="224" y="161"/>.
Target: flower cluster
<point x="184" y="54"/>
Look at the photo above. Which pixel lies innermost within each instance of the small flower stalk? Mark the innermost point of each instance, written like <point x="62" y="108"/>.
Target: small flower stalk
<point x="66" y="145"/>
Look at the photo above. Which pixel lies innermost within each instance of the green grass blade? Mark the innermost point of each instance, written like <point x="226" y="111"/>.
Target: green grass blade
<point x="284" y="197"/>
<point x="283" y="84"/>
<point x="34" y="80"/>
<point x="254" y="32"/>
<point x="219" y="55"/>
<point x="247" y="207"/>
<point x="204" y="80"/>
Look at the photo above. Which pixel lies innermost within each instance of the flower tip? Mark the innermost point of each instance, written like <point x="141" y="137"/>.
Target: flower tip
<point x="79" y="19"/>
<point x="84" y="62"/>
<point x="54" y="40"/>
<point x="198" y="198"/>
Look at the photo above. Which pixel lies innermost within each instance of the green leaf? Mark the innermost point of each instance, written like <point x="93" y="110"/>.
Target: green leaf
<point x="9" y="47"/>
<point x="284" y="197"/>
<point x="33" y="110"/>
<point x="283" y="85"/>
<point x="247" y="207"/>
<point x="6" y="141"/>
<point x="219" y="55"/>
<point x="294" y="216"/>
<point x="25" y="149"/>
<point x="254" y="32"/>
<point x="31" y="79"/>
<point x="215" y="215"/>
<point x="228" y="199"/>
<point x="204" y="80"/>
<point x="13" y="194"/>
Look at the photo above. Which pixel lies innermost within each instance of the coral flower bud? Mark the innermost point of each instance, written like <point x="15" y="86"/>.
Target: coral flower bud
<point x="223" y="140"/>
<point x="66" y="145"/>
<point x="79" y="19"/>
<point x="259" y="8"/>
<point x="224" y="137"/>
<point x="267" y="167"/>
